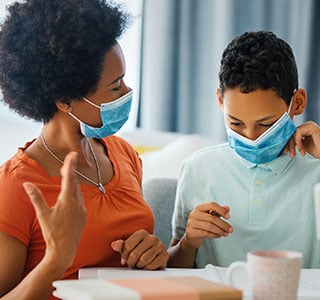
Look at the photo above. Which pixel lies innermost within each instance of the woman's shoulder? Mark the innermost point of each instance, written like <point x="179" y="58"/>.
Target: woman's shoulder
<point x="13" y="173"/>
<point x="10" y="166"/>
<point x="118" y="147"/>
<point x="19" y="161"/>
<point x="115" y="141"/>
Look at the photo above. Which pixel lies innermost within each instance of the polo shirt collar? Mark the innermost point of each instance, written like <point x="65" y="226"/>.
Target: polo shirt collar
<point x="276" y="166"/>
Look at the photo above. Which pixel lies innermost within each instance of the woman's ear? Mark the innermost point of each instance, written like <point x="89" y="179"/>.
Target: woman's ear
<point x="299" y="102"/>
<point x="62" y="106"/>
<point x="219" y="98"/>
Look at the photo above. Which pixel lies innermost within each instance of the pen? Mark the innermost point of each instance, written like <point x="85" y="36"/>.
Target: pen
<point x="212" y="212"/>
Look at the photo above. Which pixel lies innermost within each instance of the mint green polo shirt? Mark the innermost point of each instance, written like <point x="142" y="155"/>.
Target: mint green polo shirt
<point x="271" y="205"/>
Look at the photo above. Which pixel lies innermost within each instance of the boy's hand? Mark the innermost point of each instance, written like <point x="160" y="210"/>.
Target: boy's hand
<point x="207" y="221"/>
<point x="306" y="139"/>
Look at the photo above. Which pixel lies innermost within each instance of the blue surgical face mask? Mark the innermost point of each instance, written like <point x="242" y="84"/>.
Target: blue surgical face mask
<point x="267" y="146"/>
<point x="113" y="115"/>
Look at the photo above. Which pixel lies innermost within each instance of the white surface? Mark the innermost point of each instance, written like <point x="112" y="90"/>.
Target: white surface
<point x="309" y="286"/>
<point x="211" y="273"/>
<point x="14" y="132"/>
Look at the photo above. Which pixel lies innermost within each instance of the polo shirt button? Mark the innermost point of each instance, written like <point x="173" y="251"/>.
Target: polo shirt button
<point x="256" y="201"/>
<point x="258" y="181"/>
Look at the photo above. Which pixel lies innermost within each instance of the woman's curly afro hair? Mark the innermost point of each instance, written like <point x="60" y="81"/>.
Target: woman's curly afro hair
<point x="53" y="50"/>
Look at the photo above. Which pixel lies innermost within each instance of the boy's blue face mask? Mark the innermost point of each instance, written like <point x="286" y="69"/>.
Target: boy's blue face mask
<point x="267" y="146"/>
<point x="113" y="115"/>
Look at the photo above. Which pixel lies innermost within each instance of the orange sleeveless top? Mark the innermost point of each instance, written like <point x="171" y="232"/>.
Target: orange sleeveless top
<point x="110" y="216"/>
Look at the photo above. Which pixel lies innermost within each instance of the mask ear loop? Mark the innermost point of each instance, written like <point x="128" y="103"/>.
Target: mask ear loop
<point x="72" y="115"/>
<point x="93" y="104"/>
<point x="289" y="109"/>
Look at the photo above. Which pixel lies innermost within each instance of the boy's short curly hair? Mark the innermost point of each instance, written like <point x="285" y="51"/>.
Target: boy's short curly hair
<point x="54" y="50"/>
<point x="259" y="60"/>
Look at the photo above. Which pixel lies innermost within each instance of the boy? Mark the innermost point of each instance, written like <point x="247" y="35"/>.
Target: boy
<point x="261" y="198"/>
<point x="306" y="140"/>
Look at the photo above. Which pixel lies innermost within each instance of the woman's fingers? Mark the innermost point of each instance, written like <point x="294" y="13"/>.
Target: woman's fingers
<point x="37" y="199"/>
<point x="69" y="183"/>
<point x="142" y="250"/>
<point x="62" y="224"/>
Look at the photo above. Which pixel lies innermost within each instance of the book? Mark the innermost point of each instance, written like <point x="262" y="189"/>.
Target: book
<point x="145" y="288"/>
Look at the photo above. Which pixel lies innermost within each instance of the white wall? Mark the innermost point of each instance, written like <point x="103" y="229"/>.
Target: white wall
<point x="15" y="131"/>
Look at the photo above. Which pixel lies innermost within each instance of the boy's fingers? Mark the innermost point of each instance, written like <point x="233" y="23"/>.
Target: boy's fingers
<point x="227" y="208"/>
<point x="298" y="139"/>
<point x="215" y="209"/>
<point x="292" y="148"/>
<point x="36" y="198"/>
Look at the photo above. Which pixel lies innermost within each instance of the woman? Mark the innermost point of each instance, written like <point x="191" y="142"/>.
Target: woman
<point x="61" y="64"/>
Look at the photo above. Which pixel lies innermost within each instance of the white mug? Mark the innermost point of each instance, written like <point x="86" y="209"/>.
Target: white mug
<point x="272" y="274"/>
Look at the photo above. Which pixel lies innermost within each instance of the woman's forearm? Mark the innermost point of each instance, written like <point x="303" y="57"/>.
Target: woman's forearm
<point x="38" y="283"/>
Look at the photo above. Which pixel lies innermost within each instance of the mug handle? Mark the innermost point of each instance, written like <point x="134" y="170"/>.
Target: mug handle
<point x="234" y="266"/>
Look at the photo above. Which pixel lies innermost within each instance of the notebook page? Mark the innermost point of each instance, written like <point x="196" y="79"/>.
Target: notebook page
<point x="115" y="273"/>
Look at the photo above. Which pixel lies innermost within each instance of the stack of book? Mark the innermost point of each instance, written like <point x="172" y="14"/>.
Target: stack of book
<point x="148" y="288"/>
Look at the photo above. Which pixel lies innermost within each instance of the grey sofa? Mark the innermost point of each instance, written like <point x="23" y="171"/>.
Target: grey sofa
<point x="160" y="194"/>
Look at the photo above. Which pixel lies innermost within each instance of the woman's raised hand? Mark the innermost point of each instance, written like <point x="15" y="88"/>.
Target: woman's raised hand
<point x="62" y="224"/>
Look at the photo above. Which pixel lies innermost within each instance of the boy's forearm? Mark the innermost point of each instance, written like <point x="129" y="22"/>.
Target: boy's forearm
<point x="181" y="255"/>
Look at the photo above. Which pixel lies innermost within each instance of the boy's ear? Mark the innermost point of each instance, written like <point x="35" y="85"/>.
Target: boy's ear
<point x="219" y="98"/>
<point x="299" y="102"/>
